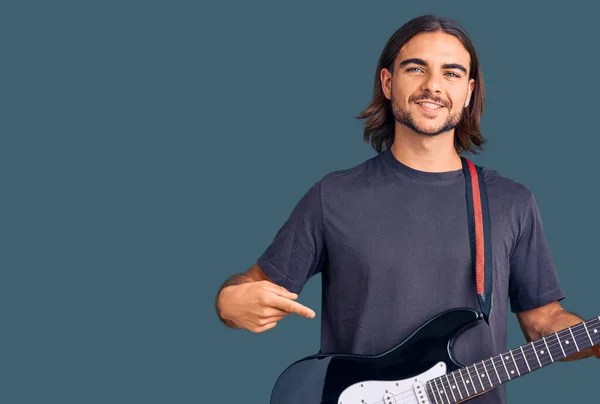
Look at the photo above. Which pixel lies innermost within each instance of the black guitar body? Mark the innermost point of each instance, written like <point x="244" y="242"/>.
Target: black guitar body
<point x="321" y="378"/>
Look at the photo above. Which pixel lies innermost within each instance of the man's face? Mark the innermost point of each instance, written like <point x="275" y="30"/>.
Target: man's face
<point x="430" y="86"/>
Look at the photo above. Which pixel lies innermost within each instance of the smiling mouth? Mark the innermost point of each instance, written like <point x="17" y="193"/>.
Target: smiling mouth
<point x="430" y="105"/>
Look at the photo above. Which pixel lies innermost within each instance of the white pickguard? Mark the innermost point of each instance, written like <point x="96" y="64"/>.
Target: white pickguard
<point x="407" y="391"/>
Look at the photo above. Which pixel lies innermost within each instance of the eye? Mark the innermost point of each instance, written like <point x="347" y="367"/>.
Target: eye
<point x="413" y="69"/>
<point x="453" y="75"/>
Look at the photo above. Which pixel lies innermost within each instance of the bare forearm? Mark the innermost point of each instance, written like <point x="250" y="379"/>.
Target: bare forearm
<point x="560" y="320"/>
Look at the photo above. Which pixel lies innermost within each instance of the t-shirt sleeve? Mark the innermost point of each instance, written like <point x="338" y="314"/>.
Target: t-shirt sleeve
<point x="298" y="249"/>
<point x="533" y="278"/>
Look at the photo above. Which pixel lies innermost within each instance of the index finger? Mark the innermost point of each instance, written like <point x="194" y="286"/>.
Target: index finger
<point x="293" y="307"/>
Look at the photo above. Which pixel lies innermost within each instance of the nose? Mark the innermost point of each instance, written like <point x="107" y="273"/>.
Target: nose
<point x="432" y="83"/>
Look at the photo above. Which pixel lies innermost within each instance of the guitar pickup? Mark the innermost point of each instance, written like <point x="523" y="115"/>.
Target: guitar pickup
<point x="419" y="390"/>
<point x="389" y="398"/>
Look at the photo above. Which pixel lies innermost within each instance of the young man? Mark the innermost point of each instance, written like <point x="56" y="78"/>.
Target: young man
<point x="390" y="236"/>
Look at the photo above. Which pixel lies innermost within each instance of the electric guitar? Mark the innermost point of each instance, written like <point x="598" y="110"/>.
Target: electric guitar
<point x="421" y="369"/>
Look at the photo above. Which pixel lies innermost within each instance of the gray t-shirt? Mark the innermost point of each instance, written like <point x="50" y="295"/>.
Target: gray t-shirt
<point x="392" y="246"/>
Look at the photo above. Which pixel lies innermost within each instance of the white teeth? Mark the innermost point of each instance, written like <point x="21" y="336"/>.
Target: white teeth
<point x="430" y="105"/>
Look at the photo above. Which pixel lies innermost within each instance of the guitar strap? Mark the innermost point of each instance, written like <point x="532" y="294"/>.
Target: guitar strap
<point x="479" y="234"/>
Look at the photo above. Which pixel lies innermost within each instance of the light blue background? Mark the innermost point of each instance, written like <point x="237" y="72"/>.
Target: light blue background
<point x="152" y="149"/>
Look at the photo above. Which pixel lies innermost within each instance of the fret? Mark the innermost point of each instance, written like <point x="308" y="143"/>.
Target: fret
<point x="555" y="348"/>
<point x="451" y="387"/>
<point x="567" y="343"/>
<point x="496" y="370"/>
<point x="560" y="344"/>
<point x="457" y="386"/>
<point x="574" y="339"/>
<point x="522" y="361"/>
<point x="431" y="393"/>
<point x="510" y="365"/>
<point x="503" y="373"/>
<point x="464" y="382"/>
<point x="504" y="363"/>
<point x="479" y="377"/>
<point x="532" y="361"/>
<point x="436" y="390"/>
<point x="515" y="362"/>
<point x="448" y="388"/>
<point x="542" y="353"/>
<point x="581" y="336"/>
<point x="525" y="358"/>
<point x="472" y="384"/>
<point x="549" y="352"/>
<point x="440" y="392"/>
<point x="595" y="331"/>
<point x="536" y="355"/>
<point x="488" y="375"/>
<point x="588" y="334"/>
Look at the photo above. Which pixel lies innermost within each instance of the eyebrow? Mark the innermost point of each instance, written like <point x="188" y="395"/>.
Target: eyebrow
<point x="423" y="63"/>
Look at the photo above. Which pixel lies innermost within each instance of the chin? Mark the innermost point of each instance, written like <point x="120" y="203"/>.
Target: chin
<point x="428" y="127"/>
<point x="430" y="131"/>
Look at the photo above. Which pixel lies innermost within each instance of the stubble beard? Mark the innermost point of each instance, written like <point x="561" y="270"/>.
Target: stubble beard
<point x="406" y="118"/>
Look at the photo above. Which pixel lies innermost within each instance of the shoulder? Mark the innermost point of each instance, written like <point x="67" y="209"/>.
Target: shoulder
<point x="354" y="178"/>
<point x="342" y="186"/>
<point x="507" y="191"/>
<point x="338" y="185"/>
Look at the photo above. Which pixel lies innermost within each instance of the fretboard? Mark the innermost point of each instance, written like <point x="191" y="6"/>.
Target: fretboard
<point x="474" y="379"/>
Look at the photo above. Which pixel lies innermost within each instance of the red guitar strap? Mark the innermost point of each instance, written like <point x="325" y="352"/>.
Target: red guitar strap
<point x="479" y="234"/>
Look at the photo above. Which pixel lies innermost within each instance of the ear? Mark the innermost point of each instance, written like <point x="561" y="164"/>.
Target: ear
<point x="471" y="88"/>
<point x="386" y="82"/>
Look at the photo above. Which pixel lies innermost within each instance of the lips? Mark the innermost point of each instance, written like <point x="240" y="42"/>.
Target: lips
<point x="430" y="105"/>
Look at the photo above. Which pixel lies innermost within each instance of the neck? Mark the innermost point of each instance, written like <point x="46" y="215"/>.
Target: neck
<point x="467" y="381"/>
<point x="423" y="153"/>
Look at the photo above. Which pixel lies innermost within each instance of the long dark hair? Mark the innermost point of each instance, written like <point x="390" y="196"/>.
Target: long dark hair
<point x="379" y="118"/>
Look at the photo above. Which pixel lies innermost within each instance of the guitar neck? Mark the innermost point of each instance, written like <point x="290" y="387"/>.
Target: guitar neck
<point x="479" y="377"/>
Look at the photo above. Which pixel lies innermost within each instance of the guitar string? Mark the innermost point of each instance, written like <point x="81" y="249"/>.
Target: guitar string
<point x="471" y="378"/>
<point x="578" y="331"/>
<point x="548" y="345"/>
<point x="410" y="395"/>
